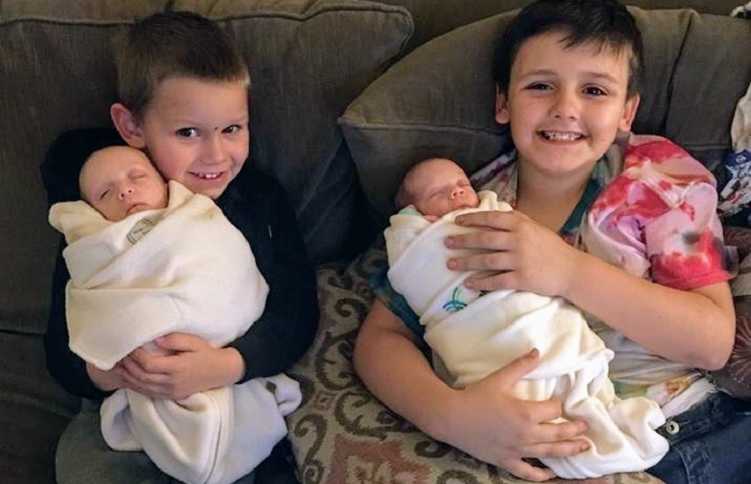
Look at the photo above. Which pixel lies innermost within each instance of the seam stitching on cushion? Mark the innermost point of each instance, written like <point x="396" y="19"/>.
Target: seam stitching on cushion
<point x="671" y="82"/>
<point x="418" y="127"/>
<point x="326" y="9"/>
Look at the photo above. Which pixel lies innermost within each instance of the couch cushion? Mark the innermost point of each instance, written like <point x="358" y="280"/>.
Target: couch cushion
<point x="438" y="100"/>
<point x="58" y="74"/>
<point x="35" y="410"/>
<point x="432" y="20"/>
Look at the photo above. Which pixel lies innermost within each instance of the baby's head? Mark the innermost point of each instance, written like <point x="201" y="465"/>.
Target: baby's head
<point x="119" y="180"/>
<point x="435" y="187"/>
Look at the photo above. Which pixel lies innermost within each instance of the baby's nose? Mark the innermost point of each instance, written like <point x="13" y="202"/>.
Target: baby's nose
<point x="125" y="193"/>
<point x="457" y="192"/>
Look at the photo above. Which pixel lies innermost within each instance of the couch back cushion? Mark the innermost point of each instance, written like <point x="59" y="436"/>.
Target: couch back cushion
<point x="438" y="100"/>
<point x="308" y="60"/>
<point x="436" y="17"/>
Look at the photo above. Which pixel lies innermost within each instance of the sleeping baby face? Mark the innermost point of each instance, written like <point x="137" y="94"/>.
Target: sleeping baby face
<point x="438" y="186"/>
<point x="119" y="181"/>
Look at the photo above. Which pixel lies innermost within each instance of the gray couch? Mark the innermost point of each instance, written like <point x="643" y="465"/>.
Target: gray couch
<point x="339" y="107"/>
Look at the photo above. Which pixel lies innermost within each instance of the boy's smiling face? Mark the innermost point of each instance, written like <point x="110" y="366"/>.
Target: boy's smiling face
<point x="196" y="132"/>
<point x="565" y="105"/>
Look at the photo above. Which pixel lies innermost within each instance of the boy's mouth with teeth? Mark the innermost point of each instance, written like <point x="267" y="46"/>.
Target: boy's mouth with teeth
<point x="207" y="176"/>
<point x="561" y="135"/>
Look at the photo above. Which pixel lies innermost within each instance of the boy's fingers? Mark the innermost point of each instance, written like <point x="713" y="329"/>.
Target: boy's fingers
<point x="492" y="281"/>
<point x="143" y="365"/>
<point x="179" y="342"/>
<point x="482" y="239"/>
<point x="491" y="219"/>
<point x="519" y="367"/>
<point x="557" y="432"/>
<point x="147" y="389"/>
<point x="557" y="449"/>
<point x="489" y="261"/>
<point x="524" y="470"/>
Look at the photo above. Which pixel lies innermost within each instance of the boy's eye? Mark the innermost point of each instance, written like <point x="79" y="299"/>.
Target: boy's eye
<point x="187" y="132"/>
<point x="235" y="128"/>
<point x="103" y="194"/>
<point x="594" y="91"/>
<point x="539" y="86"/>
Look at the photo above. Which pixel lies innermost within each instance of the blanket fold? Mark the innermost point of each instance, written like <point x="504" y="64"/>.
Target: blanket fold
<point x="183" y="268"/>
<point x="475" y="334"/>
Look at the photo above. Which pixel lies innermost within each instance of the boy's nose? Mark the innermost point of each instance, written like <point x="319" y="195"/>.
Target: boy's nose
<point x="457" y="192"/>
<point x="566" y="105"/>
<point x="215" y="151"/>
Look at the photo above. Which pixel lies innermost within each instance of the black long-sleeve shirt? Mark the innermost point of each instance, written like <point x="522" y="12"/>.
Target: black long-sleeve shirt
<point x="257" y="205"/>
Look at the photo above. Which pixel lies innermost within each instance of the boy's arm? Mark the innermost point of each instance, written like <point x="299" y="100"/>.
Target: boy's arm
<point x="65" y="366"/>
<point x="695" y="327"/>
<point x="289" y="322"/>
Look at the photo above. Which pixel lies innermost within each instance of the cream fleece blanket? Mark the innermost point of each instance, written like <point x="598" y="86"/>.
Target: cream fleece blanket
<point x="183" y="268"/>
<point x="475" y="334"/>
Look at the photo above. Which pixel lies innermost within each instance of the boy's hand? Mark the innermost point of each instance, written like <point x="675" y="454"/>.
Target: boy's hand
<point x="106" y="380"/>
<point x="498" y="428"/>
<point x="189" y="365"/>
<point x="519" y="254"/>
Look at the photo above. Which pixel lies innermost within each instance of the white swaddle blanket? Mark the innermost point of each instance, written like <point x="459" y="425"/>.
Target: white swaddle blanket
<point x="183" y="268"/>
<point x="475" y="334"/>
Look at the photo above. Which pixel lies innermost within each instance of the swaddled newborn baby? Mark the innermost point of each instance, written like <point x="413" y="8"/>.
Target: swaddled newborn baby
<point x="472" y="334"/>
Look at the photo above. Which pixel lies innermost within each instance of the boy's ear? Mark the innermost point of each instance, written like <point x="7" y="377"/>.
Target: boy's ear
<point x="127" y="125"/>
<point x="629" y="112"/>
<point x="502" y="115"/>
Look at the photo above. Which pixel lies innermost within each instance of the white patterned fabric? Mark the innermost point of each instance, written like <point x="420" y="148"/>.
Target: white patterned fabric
<point x="183" y="268"/>
<point x="475" y="334"/>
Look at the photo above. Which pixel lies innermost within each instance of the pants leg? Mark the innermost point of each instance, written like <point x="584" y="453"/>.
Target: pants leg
<point x="83" y="457"/>
<point x="708" y="444"/>
<point x="279" y="467"/>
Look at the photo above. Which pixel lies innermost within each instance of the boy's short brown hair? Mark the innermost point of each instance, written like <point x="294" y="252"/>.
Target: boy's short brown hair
<point x="172" y="44"/>
<point x="606" y="23"/>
